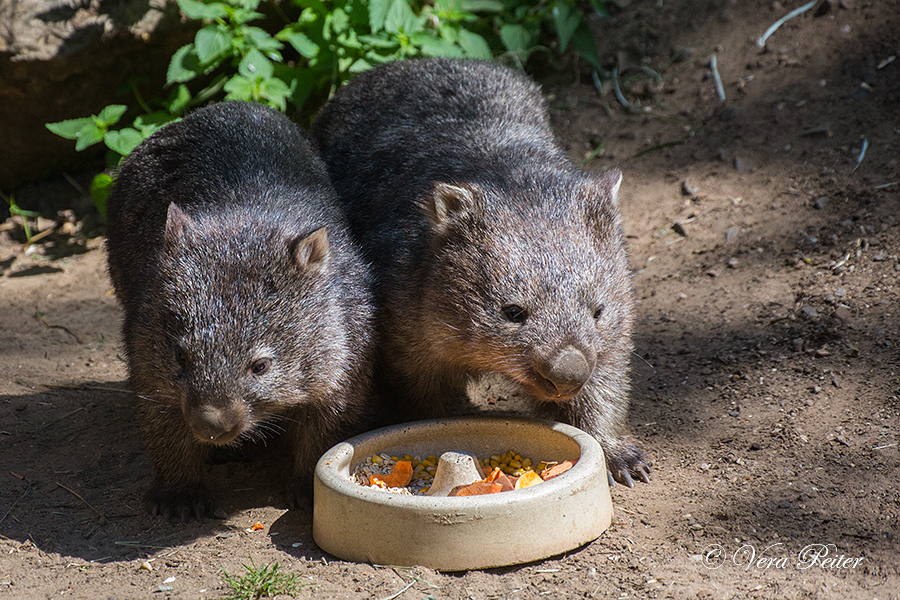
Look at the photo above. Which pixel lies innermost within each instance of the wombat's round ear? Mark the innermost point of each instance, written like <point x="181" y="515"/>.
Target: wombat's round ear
<point x="312" y="252"/>
<point x="447" y="201"/>
<point x="178" y="224"/>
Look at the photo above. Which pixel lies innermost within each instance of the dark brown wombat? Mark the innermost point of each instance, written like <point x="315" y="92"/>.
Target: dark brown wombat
<point x="492" y="252"/>
<point x="247" y="307"/>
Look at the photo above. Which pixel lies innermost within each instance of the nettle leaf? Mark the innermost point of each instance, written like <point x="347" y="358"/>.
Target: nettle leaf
<point x="379" y="41"/>
<point x="378" y="10"/>
<point x="474" y="45"/>
<point x="184" y="66"/>
<point x="302" y="44"/>
<point x="178" y="100"/>
<point x="432" y="46"/>
<point x="123" y="141"/>
<point x="244" y="15"/>
<point x="275" y="92"/>
<point x="516" y="38"/>
<point x="567" y="19"/>
<point x="101" y="185"/>
<point x="494" y="6"/>
<point x="255" y="64"/>
<point x="111" y="114"/>
<point x="338" y="21"/>
<point x="262" y="41"/>
<point x="584" y="44"/>
<point x="69" y="128"/>
<point x="211" y="42"/>
<point x="197" y="11"/>
<point x="151" y="123"/>
<point x="239" y="88"/>
<point x="402" y="19"/>
<point x="88" y="136"/>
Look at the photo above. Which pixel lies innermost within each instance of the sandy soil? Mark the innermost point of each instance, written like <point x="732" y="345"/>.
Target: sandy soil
<point x="766" y="262"/>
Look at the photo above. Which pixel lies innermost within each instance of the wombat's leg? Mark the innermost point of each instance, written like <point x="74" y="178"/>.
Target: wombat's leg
<point x="603" y="419"/>
<point x="178" y="490"/>
<point x="305" y="444"/>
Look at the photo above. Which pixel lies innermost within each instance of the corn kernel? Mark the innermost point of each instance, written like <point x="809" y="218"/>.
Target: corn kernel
<point x="515" y="464"/>
<point x="377" y="460"/>
<point x="526" y="462"/>
<point x="395" y="458"/>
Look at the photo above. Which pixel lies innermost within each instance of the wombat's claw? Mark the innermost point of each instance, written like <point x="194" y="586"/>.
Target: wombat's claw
<point x="186" y="503"/>
<point x="625" y="469"/>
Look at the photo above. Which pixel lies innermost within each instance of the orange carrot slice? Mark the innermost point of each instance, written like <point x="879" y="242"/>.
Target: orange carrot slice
<point x="557" y="470"/>
<point x="478" y="488"/>
<point x="527" y="479"/>
<point x="399" y="476"/>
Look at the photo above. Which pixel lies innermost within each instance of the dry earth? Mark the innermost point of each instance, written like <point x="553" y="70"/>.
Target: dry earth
<point x="766" y="261"/>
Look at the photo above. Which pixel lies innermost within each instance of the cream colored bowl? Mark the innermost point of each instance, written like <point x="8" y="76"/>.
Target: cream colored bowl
<point x="364" y="524"/>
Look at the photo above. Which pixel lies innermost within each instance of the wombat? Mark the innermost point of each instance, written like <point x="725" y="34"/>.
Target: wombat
<point x="248" y="309"/>
<point x="492" y="253"/>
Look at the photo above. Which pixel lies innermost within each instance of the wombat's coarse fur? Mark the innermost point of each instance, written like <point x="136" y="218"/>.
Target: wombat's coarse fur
<point x="492" y="252"/>
<point x="248" y="311"/>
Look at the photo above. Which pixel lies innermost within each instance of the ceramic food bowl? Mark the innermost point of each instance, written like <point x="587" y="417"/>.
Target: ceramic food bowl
<point x="364" y="524"/>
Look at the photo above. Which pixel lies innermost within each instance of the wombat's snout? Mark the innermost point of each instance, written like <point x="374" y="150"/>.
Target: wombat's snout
<point x="216" y="425"/>
<point x="567" y="372"/>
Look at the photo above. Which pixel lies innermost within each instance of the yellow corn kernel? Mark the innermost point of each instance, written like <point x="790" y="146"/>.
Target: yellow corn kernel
<point x="416" y="462"/>
<point x="377" y="459"/>
<point x="515" y="464"/>
<point x="507" y="470"/>
<point x="494" y="464"/>
<point x="526" y="462"/>
<point x="408" y="457"/>
<point x="427" y="463"/>
<point x="395" y="458"/>
<point x="433" y="458"/>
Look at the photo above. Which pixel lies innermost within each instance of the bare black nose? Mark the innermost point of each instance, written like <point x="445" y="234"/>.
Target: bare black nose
<point x="569" y="371"/>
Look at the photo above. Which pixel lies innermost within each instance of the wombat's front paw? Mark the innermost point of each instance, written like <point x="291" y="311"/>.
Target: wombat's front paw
<point x="300" y="493"/>
<point x="185" y="502"/>
<point x="626" y="465"/>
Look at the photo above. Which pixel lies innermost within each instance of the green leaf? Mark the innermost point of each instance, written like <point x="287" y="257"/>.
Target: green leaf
<point x="516" y="38"/>
<point x="584" y="44"/>
<point x="262" y="41"/>
<point x="211" y="42"/>
<point x="255" y="64"/>
<point x="184" y="66"/>
<point x="69" y="128"/>
<point x="88" y="136"/>
<point x="302" y="44"/>
<point x="239" y="16"/>
<point x="197" y="11"/>
<point x="111" y="114"/>
<point x="239" y="88"/>
<point x="494" y="6"/>
<point x="432" y="46"/>
<point x="378" y="11"/>
<point x="123" y="141"/>
<point x="474" y="45"/>
<point x="401" y="19"/>
<point x="567" y="19"/>
<point x="378" y="41"/>
<point x="178" y="100"/>
<point x="101" y="186"/>
<point x="275" y="92"/>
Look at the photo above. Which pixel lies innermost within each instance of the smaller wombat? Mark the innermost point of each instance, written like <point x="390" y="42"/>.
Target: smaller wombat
<point x="247" y="307"/>
<point x="492" y="253"/>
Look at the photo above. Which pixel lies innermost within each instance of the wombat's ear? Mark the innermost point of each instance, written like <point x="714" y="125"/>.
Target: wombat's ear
<point x="447" y="201"/>
<point x="312" y="252"/>
<point x="178" y="223"/>
<point x="610" y="182"/>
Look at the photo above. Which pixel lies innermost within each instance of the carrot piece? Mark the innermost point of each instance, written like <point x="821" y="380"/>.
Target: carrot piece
<point x="478" y="488"/>
<point x="557" y="470"/>
<point x="527" y="479"/>
<point x="399" y="476"/>
<point x="494" y="475"/>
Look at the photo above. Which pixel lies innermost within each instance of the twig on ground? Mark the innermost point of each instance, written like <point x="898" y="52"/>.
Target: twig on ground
<point x="77" y="495"/>
<point x="862" y="153"/>
<point x="397" y="595"/>
<point x="761" y="42"/>
<point x="714" y="67"/>
<point x="63" y="327"/>
<point x="617" y="89"/>
<point x="887" y="185"/>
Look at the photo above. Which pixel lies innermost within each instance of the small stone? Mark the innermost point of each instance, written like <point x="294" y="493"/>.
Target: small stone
<point x="815" y="389"/>
<point x="731" y="233"/>
<point x="687" y="189"/>
<point x="679" y="229"/>
<point x="819" y="203"/>
<point x="733" y="263"/>
<point x="797" y="343"/>
<point x="755" y="446"/>
<point x="822" y="352"/>
<point x="840" y="292"/>
<point x="879" y="257"/>
<point x="842" y="313"/>
<point x="146" y="566"/>
<point x="742" y="166"/>
<point x="784" y="504"/>
<point x="712" y="273"/>
<point x="810" y="312"/>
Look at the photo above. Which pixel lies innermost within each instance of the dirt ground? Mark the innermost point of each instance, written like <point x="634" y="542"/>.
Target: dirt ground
<point x="766" y="261"/>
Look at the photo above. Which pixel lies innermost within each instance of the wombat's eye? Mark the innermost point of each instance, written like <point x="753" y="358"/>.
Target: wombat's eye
<point x="260" y="366"/>
<point x="514" y="313"/>
<point x="182" y="358"/>
<point x="598" y="312"/>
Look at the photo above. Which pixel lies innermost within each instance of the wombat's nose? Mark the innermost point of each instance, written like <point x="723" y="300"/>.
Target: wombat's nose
<point x="215" y="425"/>
<point x="569" y="371"/>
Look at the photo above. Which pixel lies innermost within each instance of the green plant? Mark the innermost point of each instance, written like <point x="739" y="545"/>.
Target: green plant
<point x="16" y="211"/>
<point x="260" y="582"/>
<point x="313" y="53"/>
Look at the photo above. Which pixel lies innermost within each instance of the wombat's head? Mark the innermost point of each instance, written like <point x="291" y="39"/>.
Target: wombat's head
<point x="532" y="281"/>
<point x="241" y="322"/>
